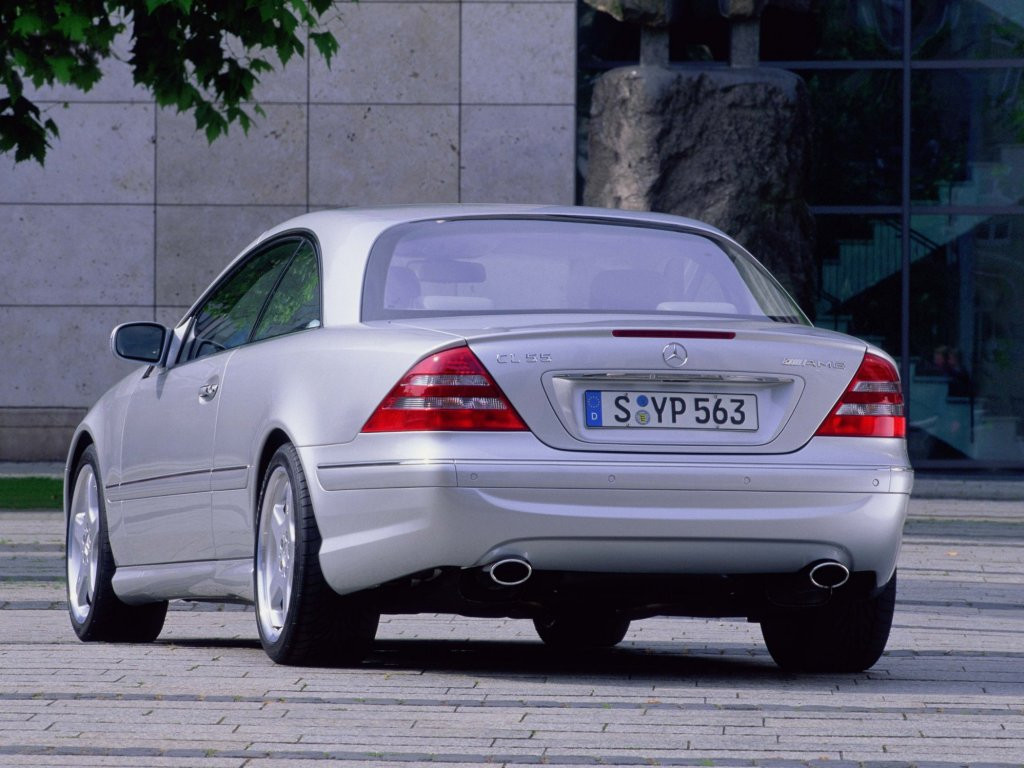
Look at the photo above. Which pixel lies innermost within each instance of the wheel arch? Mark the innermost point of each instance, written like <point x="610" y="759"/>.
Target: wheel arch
<point x="274" y="440"/>
<point x="79" y="443"/>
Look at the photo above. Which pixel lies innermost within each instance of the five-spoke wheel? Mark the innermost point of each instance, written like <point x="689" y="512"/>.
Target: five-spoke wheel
<point x="96" y="611"/>
<point x="301" y="620"/>
<point x="83" y="536"/>
<point x="275" y="554"/>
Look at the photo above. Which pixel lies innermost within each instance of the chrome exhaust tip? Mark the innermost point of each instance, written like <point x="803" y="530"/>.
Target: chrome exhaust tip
<point x="829" y="575"/>
<point x="509" y="572"/>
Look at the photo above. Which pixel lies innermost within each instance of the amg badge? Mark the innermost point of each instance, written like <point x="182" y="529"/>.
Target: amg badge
<point x="800" y="362"/>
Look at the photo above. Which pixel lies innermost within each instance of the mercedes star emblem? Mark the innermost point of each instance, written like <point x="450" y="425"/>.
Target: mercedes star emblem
<point x="674" y="355"/>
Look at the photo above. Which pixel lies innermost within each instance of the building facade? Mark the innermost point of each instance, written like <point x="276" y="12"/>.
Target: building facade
<point x="134" y="213"/>
<point x="916" y="189"/>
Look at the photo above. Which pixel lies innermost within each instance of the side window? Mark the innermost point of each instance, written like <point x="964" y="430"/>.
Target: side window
<point x="295" y="304"/>
<point x="227" y="317"/>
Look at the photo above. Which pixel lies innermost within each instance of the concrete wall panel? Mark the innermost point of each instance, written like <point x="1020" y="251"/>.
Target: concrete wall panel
<point x="406" y="53"/>
<point x="266" y="166"/>
<point x="286" y="84"/>
<point x="37" y="434"/>
<point x="368" y="155"/>
<point x="104" y="155"/>
<point x="61" y="354"/>
<point x="515" y="53"/>
<point x="73" y="255"/>
<point x="518" y="154"/>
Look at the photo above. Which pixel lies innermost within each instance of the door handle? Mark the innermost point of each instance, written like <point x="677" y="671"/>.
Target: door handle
<point x="207" y="391"/>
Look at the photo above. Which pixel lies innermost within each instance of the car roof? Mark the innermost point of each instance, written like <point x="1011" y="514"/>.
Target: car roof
<point x="335" y="224"/>
<point x="353" y="231"/>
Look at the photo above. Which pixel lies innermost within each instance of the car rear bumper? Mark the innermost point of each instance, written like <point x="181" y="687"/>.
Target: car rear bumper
<point x="383" y="520"/>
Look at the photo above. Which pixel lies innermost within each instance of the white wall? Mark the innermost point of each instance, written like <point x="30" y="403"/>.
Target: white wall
<point x="134" y="212"/>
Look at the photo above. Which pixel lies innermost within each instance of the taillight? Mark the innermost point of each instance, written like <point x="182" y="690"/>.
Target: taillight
<point x="872" y="406"/>
<point x="450" y="390"/>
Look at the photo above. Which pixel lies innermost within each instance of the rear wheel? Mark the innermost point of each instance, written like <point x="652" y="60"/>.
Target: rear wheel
<point x="96" y="612"/>
<point x="301" y="620"/>
<point x="582" y="630"/>
<point x="844" y="636"/>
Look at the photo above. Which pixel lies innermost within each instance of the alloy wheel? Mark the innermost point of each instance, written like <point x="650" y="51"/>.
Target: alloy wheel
<point x="83" y="544"/>
<point x="275" y="554"/>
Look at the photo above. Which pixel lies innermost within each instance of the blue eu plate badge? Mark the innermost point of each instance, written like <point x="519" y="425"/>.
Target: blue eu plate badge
<point x="593" y="407"/>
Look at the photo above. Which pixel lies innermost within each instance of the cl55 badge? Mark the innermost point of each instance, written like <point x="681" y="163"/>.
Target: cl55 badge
<point x="529" y="357"/>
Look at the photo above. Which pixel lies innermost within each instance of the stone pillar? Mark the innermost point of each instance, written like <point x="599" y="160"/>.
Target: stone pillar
<point x="729" y="146"/>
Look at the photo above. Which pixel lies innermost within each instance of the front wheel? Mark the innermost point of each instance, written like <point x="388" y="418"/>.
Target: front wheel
<point x="301" y="620"/>
<point x="97" y="614"/>
<point x="846" y="636"/>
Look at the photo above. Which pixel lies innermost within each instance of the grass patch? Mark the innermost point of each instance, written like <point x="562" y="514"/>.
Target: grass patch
<point x="31" y="493"/>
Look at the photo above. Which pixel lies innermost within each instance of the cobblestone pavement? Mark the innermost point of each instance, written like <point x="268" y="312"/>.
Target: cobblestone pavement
<point x="448" y="690"/>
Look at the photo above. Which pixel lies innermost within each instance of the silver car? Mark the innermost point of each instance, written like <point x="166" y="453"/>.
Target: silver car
<point x="575" y="416"/>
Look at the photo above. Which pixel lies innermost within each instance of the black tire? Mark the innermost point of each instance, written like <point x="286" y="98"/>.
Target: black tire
<point x="96" y="612"/>
<point x="569" y="631"/>
<point x="847" y="636"/>
<point x="301" y="620"/>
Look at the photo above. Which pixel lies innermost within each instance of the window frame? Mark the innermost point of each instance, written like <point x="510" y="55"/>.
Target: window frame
<point x="184" y="329"/>
<point x="380" y="253"/>
<point x="261" y="315"/>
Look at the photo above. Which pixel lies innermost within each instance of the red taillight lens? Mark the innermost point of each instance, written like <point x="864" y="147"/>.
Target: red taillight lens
<point x="872" y="406"/>
<point x="447" y="391"/>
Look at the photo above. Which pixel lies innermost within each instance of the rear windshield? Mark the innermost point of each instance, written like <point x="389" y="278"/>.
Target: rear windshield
<point x="518" y="265"/>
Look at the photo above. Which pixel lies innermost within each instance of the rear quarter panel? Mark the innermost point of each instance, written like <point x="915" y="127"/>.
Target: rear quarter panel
<point x="318" y="387"/>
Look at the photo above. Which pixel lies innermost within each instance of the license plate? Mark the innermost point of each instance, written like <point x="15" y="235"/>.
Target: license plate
<point x="669" y="410"/>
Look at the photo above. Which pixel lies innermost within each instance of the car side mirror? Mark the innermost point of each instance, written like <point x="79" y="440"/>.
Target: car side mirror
<point x="141" y="342"/>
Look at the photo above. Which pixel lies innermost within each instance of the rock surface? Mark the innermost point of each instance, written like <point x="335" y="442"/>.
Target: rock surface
<point x="727" y="146"/>
<point x="651" y="13"/>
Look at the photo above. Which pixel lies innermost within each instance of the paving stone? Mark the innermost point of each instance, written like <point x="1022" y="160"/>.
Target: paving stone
<point x="444" y="690"/>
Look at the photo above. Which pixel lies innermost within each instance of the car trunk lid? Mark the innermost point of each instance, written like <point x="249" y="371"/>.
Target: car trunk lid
<point x="688" y="385"/>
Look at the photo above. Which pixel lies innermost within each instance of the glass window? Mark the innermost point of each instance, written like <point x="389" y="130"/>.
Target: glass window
<point x="474" y="266"/>
<point x="966" y="338"/>
<point x="295" y="304"/>
<point x="968" y="29"/>
<point x="838" y="30"/>
<point x="861" y="278"/>
<point x="856" y="148"/>
<point x="699" y="34"/>
<point x="968" y="131"/>
<point x="227" y="317"/>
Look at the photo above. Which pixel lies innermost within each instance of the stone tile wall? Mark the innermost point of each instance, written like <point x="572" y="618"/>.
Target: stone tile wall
<point x="134" y="213"/>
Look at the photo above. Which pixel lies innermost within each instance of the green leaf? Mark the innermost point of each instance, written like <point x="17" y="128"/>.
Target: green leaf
<point x="27" y="24"/>
<point x="326" y="43"/>
<point x="73" y="25"/>
<point x="303" y="8"/>
<point x="268" y="9"/>
<point x="62" y="66"/>
<point x="177" y="52"/>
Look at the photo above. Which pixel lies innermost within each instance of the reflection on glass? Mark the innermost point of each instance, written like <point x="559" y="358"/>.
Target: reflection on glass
<point x="967" y="29"/>
<point x="832" y="29"/>
<point x="968" y="132"/>
<point x="967" y="285"/>
<point x="859" y="289"/>
<point x="857" y="137"/>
